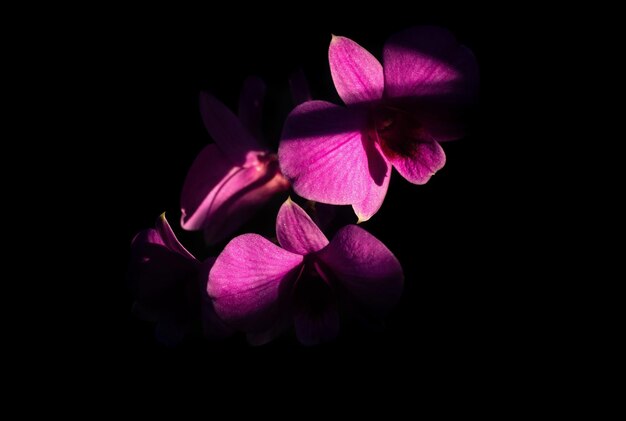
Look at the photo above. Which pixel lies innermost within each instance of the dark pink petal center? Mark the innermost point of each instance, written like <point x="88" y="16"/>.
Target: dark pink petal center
<point x="397" y="130"/>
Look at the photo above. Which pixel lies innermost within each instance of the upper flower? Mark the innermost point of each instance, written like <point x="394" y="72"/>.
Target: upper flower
<point x="396" y="115"/>
<point x="260" y="288"/>
<point x="232" y="178"/>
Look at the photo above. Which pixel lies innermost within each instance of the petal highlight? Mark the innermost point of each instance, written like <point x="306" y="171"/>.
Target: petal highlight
<point x="248" y="280"/>
<point x="296" y="231"/>
<point x="321" y="152"/>
<point x="357" y="75"/>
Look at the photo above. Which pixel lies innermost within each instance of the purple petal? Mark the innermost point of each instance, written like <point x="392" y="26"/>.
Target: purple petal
<point x="427" y="158"/>
<point x="232" y="138"/>
<point x="357" y="75"/>
<point x="160" y="275"/>
<point x="251" y="105"/>
<point x="241" y="197"/>
<point x="381" y="174"/>
<point x="321" y="152"/>
<point x="299" y="87"/>
<point x="296" y="231"/>
<point x="366" y="269"/>
<point x="220" y="198"/>
<point x="248" y="280"/>
<point x="428" y="62"/>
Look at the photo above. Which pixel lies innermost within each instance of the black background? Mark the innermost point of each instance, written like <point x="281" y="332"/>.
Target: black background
<point x="456" y="312"/>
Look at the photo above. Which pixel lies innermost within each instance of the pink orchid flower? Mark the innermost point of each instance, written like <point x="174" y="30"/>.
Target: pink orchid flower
<point x="259" y="287"/>
<point x="170" y="285"/>
<point x="396" y="116"/>
<point x="232" y="178"/>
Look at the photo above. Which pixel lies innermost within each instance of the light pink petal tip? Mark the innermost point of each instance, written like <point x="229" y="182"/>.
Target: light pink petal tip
<point x="321" y="152"/>
<point x="357" y="75"/>
<point x="296" y="231"/>
<point x="247" y="280"/>
<point x="366" y="269"/>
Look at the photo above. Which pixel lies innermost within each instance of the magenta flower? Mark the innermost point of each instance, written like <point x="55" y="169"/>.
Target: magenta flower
<point x="260" y="288"/>
<point x="396" y="116"/>
<point x="170" y="285"/>
<point x="232" y="178"/>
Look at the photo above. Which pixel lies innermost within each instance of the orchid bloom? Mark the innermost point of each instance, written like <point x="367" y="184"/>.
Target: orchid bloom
<point x="232" y="178"/>
<point x="259" y="287"/>
<point x="170" y="285"/>
<point x="396" y="116"/>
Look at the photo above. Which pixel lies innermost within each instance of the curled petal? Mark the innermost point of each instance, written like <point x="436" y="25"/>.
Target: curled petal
<point x="220" y="198"/>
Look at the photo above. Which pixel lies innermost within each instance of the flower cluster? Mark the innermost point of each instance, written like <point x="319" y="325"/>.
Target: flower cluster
<point x="396" y="114"/>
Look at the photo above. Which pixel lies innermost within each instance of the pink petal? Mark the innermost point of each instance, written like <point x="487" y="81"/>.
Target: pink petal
<point x="321" y="152"/>
<point x="251" y="105"/>
<point x="357" y="75"/>
<point x="427" y="62"/>
<point x="381" y="174"/>
<point x="248" y="280"/>
<point x="365" y="268"/>
<point x="232" y="138"/>
<point x="296" y="231"/>
<point x="427" y="158"/>
<point x="219" y="199"/>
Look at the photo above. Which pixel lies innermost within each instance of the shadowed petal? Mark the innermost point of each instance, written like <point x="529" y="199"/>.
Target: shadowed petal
<point x="315" y="326"/>
<point x="299" y="87"/>
<point x="321" y="152"/>
<point x="296" y="231"/>
<point x="160" y="276"/>
<point x="427" y="158"/>
<point x="232" y="138"/>
<point x="381" y="174"/>
<point x="246" y="282"/>
<point x="357" y="75"/>
<point x="207" y="173"/>
<point x="427" y="61"/>
<point x="251" y="105"/>
<point x="368" y="272"/>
